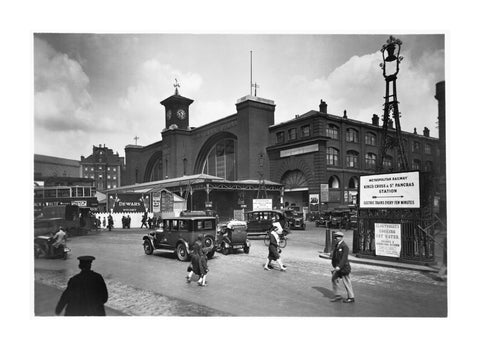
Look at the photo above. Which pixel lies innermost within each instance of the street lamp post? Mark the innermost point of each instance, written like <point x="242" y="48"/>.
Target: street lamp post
<point x="390" y="68"/>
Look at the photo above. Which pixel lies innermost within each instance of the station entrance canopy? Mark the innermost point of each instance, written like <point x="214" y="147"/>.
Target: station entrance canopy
<point x="197" y="182"/>
<point x="188" y="185"/>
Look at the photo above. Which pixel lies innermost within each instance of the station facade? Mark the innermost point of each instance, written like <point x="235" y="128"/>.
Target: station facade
<point x="312" y="162"/>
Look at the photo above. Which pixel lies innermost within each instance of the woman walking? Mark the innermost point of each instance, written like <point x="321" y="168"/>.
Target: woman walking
<point x="273" y="250"/>
<point x="198" y="266"/>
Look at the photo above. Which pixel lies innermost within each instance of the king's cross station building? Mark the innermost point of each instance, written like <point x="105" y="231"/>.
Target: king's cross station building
<point x="312" y="162"/>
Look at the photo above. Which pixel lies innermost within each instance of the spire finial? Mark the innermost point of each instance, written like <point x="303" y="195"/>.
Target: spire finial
<point x="176" y="85"/>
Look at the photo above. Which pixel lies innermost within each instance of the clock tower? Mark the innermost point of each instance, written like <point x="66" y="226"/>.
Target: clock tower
<point x="176" y="109"/>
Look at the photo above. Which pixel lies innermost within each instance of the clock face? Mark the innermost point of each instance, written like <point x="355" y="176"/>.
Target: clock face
<point x="169" y="114"/>
<point x="181" y="114"/>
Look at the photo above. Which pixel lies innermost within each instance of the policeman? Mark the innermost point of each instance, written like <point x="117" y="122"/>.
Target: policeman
<point x="86" y="292"/>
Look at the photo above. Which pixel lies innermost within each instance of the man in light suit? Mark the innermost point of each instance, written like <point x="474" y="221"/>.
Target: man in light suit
<point x="341" y="269"/>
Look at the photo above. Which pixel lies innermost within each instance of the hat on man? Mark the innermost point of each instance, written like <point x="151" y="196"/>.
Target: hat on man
<point x="338" y="233"/>
<point x="86" y="259"/>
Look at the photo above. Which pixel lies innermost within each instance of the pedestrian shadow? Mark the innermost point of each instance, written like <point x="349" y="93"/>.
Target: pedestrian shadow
<point x="324" y="291"/>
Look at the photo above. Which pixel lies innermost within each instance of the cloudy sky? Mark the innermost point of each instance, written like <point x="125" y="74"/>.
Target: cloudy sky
<point x="105" y="89"/>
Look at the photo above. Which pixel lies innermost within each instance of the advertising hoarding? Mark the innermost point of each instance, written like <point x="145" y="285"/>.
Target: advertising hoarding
<point x="388" y="239"/>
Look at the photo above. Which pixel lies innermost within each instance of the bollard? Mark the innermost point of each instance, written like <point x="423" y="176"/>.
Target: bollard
<point x="328" y="240"/>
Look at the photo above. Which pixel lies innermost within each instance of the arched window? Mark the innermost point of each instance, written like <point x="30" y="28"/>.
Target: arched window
<point x="353" y="183"/>
<point x="370" y="160"/>
<point x="370" y="138"/>
<point x="332" y="156"/>
<point x="416" y="164"/>
<point x="351" y="135"/>
<point x="352" y="159"/>
<point x="332" y="131"/>
<point x="333" y="182"/>
<point x="221" y="160"/>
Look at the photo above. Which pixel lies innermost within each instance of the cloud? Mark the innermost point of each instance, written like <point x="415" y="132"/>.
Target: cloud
<point x="358" y="86"/>
<point x="62" y="101"/>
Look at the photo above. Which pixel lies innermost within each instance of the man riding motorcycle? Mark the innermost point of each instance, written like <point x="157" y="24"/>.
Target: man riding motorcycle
<point x="59" y="240"/>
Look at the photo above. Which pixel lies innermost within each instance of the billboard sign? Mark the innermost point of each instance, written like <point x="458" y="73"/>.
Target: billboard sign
<point x="262" y="204"/>
<point x="392" y="190"/>
<point x="388" y="239"/>
<point x="131" y="202"/>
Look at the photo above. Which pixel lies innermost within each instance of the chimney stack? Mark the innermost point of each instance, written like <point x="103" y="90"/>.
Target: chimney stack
<point x="323" y="107"/>
<point x="414" y="130"/>
<point x="426" y="132"/>
<point x="375" y="119"/>
<point x="345" y="114"/>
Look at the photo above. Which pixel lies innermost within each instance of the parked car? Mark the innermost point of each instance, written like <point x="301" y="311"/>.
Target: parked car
<point x="322" y="219"/>
<point x="180" y="233"/>
<point x="232" y="235"/>
<point x="260" y="221"/>
<point x="294" y="219"/>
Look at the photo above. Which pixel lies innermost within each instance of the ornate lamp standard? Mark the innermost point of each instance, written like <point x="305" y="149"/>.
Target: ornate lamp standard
<point x="390" y="67"/>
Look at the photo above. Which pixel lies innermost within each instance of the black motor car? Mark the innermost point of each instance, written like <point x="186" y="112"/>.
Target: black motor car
<point x="294" y="219"/>
<point x="180" y="233"/>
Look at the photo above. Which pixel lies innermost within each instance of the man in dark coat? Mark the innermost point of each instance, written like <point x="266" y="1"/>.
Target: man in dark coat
<point x="86" y="292"/>
<point x="341" y="269"/>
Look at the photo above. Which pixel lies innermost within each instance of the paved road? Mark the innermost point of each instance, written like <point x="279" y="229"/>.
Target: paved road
<point x="238" y="285"/>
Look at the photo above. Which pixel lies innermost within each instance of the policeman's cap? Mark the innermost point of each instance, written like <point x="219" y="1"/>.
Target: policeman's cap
<point x="86" y="259"/>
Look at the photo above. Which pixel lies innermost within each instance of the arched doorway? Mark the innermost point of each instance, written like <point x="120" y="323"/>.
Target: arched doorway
<point x="296" y="189"/>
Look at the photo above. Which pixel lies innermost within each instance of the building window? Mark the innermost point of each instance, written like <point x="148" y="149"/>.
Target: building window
<point x="428" y="166"/>
<point x="351" y="135"/>
<point x="114" y="169"/>
<point x="370" y="160"/>
<point x="332" y="131"/>
<point x="292" y="134"/>
<point x="387" y="162"/>
<point x="333" y="182"/>
<point x="99" y="167"/>
<point x="93" y="169"/>
<point x="306" y="131"/>
<point x="114" y="185"/>
<point x="108" y="168"/>
<point x="108" y="186"/>
<point x="370" y="138"/>
<point x="352" y="159"/>
<point x="100" y="176"/>
<point x="332" y="156"/>
<point x="221" y="160"/>
<point x="428" y="148"/>
<point x="353" y="183"/>
<point x="415" y="147"/>
<point x="92" y="177"/>
<point x="280" y="137"/>
<point x="114" y="177"/>
<point x="416" y="164"/>
<point x="108" y="176"/>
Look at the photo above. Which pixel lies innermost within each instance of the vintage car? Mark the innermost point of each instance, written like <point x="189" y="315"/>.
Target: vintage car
<point x="260" y="221"/>
<point x="180" y="233"/>
<point x="232" y="235"/>
<point x="294" y="220"/>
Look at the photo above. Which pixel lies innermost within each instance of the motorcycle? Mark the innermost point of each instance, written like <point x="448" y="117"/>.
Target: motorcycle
<point x="43" y="248"/>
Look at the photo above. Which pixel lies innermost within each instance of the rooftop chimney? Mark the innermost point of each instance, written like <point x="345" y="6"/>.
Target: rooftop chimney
<point x="375" y="119"/>
<point x="323" y="107"/>
<point x="415" y="130"/>
<point x="345" y="114"/>
<point x="426" y="132"/>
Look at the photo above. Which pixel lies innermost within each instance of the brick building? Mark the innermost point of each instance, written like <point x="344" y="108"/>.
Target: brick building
<point x="316" y="154"/>
<point x="104" y="167"/>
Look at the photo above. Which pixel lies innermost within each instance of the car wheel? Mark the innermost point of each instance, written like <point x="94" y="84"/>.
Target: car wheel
<point x="208" y="242"/>
<point x="147" y="247"/>
<point x="246" y="249"/>
<point x="181" y="252"/>
<point x="225" y="249"/>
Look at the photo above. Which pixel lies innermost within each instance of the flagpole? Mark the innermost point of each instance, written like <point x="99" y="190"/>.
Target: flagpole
<point x="250" y="73"/>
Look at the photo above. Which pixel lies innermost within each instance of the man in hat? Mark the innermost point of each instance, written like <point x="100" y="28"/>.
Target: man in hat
<point x="341" y="269"/>
<point x="86" y="292"/>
